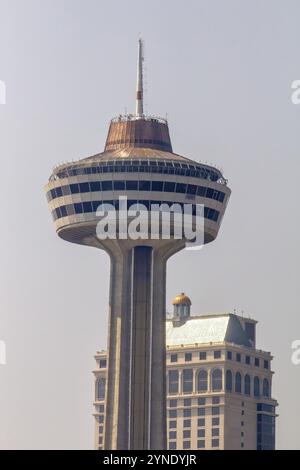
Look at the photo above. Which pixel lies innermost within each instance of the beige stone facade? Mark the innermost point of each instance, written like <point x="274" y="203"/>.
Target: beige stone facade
<point x="219" y="386"/>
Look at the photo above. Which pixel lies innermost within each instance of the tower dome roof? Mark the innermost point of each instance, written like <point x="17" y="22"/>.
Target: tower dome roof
<point x="182" y="299"/>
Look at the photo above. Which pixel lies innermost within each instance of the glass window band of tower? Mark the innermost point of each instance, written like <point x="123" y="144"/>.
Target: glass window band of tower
<point x="142" y="166"/>
<point x="91" y="206"/>
<point x="136" y="185"/>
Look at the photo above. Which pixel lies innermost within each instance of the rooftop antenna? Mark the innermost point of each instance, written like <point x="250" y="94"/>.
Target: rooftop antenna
<point x="139" y="110"/>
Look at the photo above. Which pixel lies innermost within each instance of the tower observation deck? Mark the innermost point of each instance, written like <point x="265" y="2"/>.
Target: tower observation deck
<point x="137" y="162"/>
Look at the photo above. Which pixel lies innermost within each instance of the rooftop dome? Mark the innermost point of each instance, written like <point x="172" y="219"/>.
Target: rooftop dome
<point x="182" y="299"/>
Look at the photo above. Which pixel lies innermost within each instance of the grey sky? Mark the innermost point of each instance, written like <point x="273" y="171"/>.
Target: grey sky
<point x="223" y="73"/>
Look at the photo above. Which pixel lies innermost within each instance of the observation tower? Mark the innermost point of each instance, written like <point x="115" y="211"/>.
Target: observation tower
<point x="137" y="162"/>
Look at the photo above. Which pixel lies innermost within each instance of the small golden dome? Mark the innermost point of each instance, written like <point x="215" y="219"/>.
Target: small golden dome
<point x="182" y="299"/>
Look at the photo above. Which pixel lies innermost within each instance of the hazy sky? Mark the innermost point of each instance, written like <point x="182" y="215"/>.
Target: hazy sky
<point x="223" y="73"/>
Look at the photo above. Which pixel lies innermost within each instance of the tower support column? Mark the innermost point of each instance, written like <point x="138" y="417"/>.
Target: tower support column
<point x="136" y="380"/>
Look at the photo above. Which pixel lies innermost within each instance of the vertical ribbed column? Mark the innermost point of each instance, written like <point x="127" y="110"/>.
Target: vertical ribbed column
<point x="136" y="384"/>
<point x="141" y="349"/>
<point x="116" y="432"/>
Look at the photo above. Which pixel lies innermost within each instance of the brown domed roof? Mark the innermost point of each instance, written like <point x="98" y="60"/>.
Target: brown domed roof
<point x="182" y="299"/>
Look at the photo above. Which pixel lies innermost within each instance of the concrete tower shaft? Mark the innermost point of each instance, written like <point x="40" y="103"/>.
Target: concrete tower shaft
<point x="138" y="162"/>
<point x="136" y="409"/>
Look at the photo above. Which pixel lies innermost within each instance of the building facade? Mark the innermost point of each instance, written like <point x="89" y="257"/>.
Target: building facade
<point x="219" y="386"/>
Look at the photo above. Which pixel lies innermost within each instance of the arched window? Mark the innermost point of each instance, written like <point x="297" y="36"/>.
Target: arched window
<point x="100" y="389"/>
<point x="228" y="381"/>
<point x="256" y="387"/>
<point x="202" y="381"/>
<point x="266" y="388"/>
<point x="187" y="380"/>
<point x="217" y="380"/>
<point x="238" y="383"/>
<point x="247" y="385"/>
<point x="173" y="382"/>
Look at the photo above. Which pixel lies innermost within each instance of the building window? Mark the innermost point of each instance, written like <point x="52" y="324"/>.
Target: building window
<point x="215" y="443"/>
<point x="265" y="407"/>
<point x="266" y="388"/>
<point x="247" y="360"/>
<point x="217" y="354"/>
<point x="242" y="445"/>
<point x="201" y="422"/>
<point x="217" y="380"/>
<point x="186" y="423"/>
<point x="100" y="429"/>
<point x="102" y="363"/>
<point x="172" y="435"/>
<point x="101" y="409"/>
<point x="266" y="364"/>
<point x="169" y="187"/>
<point x="186" y="444"/>
<point x="174" y="358"/>
<point x="215" y="421"/>
<point x="215" y="432"/>
<point x="229" y="355"/>
<point x="202" y="356"/>
<point x="173" y="381"/>
<point x="172" y="445"/>
<point x="187" y="379"/>
<point x="201" y="433"/>
<point x="187" y="402"/>
<point x="144" y="185"/>
<point x="188" y="357"/>
<point x="228" y="381"/>
<point x="242" y="434"/>
<point x="101" y="419"/>
<point x="202" y="381"/>
<point x="201" y="444"/>
<point x="242" y="423"/>
<point x="215" y="410"/>
<point x="132" y="185"/>
<point x="247" y="385"/>
<point x="100" y="387"/>
<point x="201" y="411"/>
<point x="238" y="383"/>
<point x="265" y="432"/>
<point x="172" y="424"/>
<point x="256" y="362"/>
<point x="186" y="434"/>
<point x="238" y="357"/>
<point x="173" y="403"/>
<point x="256" y="387"/>
<point x="215" y="400"/>
<point x="187" y="412"/>
<point x="172" y="413"/>
<point x="201" y="401"/>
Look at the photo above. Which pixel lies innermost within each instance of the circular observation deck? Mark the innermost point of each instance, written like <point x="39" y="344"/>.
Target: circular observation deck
<point x="138" y="162"/>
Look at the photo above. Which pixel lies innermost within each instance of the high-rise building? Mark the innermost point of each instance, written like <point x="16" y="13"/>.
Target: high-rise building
<point x="138" y="166"/>
<point x="219" y="393"/>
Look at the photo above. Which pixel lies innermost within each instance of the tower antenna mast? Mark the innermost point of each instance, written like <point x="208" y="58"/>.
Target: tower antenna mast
<point x="139" y="110"/>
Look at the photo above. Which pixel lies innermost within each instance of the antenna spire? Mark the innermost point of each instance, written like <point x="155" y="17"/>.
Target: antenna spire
<point x="139" y="110"/>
